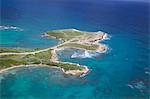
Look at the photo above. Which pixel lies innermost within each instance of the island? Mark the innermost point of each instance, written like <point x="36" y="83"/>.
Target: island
<point x="69" y="38"/>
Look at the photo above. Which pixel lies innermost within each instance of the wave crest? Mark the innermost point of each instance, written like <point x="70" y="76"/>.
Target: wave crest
<point x="85" y="54"/>
<point x="10" y="28"/>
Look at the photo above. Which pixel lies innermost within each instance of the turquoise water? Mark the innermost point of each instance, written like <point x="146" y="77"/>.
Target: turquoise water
<point x="120" y="73"/>
<point x="19" y="39"/>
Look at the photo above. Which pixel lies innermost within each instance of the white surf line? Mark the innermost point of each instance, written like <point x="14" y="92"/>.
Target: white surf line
<point x="53" y="48"/>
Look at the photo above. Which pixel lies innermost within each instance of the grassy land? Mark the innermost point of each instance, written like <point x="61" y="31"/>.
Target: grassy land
<point x="67" y="66"/>
<point x="44" y="56"/>
<point x="15" y="50"/>
<point x="65" y="34"/>
<point x="39" y="58"/>
<point x="75" y="45"/>
<point x="11" y="60"/>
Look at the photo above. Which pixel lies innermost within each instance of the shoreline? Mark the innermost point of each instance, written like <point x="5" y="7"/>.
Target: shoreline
<point x="13" y="67"/>
<point x="68" y="72"/>
<point x="86" y="38"/>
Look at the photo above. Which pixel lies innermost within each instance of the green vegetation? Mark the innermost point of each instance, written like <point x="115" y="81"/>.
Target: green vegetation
<point x="65" y="34"/>
<point x="76" y="45"/>
<point x="15" y="50"/>
<point x="5" y="63"/>
<point x="38" y="58"/>
<point x="44" y="56"/>
<point x="67" y="66"/>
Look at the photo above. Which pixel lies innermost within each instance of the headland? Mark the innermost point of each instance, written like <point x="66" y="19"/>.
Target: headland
<point x="69" y="38"/>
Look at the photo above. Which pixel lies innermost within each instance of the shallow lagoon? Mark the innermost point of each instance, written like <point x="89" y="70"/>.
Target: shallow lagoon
<point x="111" y="73"/>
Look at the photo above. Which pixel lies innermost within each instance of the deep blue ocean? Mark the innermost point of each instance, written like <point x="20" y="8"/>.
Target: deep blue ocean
<point x="120" y="73"/>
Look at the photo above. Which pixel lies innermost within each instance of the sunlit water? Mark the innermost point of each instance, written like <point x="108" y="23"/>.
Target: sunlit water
<point x="121" y="72"/>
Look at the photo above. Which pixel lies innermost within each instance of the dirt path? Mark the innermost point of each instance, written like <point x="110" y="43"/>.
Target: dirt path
<point x="25" y="53"/>
<point x="82" y="39"/>
<point x="54" y="49"/>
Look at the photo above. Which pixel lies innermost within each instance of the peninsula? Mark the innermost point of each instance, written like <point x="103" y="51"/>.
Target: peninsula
<point x="69" y="38"/>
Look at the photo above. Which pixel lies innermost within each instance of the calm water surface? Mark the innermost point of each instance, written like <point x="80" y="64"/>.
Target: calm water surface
<point x="120" y="73"/>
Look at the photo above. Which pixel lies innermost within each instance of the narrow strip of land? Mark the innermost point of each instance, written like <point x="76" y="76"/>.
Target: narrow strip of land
<point x="70" y="38"/>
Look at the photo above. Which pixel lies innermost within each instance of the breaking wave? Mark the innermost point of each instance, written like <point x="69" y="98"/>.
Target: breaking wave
<point x="10" y="28"/>
<point x="85" y="54"/>
<point x="139" y="85"/>
<point x="106" y="37"/>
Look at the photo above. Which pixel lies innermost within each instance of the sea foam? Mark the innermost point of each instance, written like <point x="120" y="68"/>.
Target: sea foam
<point x="106" y="37"/>
<point x="10" y="28"/>
<point x="84" y="54"/>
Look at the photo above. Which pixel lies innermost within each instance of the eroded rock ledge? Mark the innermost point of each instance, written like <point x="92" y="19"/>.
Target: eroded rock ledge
<point x="70" y="38"/>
